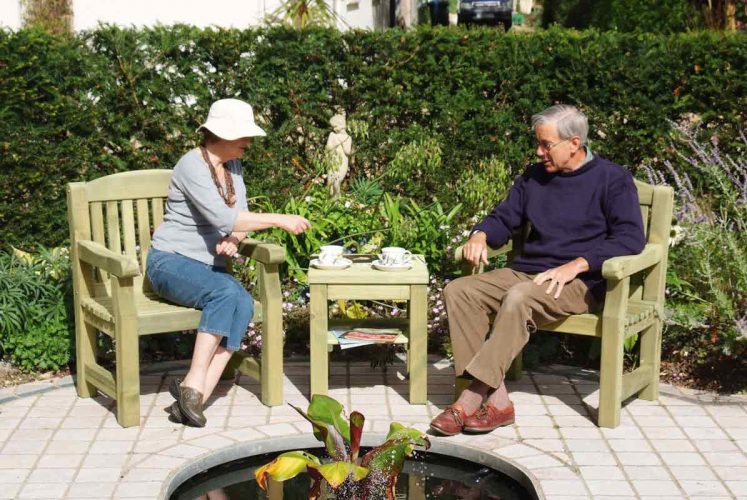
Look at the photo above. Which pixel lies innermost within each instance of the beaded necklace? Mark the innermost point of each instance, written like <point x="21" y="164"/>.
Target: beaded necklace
<point x="230" y="196"/>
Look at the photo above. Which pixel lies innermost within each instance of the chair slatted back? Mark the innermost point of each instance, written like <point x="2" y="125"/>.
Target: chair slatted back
<point x="123" y="210"/>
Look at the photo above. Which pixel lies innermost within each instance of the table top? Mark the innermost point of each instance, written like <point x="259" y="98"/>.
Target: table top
<point x="361" y="272"/>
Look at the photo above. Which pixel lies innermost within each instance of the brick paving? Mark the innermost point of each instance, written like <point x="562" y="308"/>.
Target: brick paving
<point x="689" y="444"/>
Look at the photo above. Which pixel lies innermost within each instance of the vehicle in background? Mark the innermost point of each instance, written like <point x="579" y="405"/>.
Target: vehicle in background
<point x="485" y="11"/>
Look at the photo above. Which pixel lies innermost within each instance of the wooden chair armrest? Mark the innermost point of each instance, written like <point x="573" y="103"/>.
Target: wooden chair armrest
<point x="98" y="255"/>
<point x="492" y="252"/>
<point x="266" y="253"/>
<point x="618" y="268"/>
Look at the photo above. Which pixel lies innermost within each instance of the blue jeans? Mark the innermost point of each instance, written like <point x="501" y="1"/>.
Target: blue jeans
<point x="227" y="308"/>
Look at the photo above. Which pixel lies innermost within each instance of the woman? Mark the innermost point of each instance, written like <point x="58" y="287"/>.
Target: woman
<point x="206" y="218"/>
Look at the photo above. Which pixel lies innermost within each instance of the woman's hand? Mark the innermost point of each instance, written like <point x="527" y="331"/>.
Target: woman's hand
<point x="294" y="224"/>
<point x="227" y="246"/>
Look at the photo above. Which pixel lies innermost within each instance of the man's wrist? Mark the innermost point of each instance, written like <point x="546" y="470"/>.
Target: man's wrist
<point x="581" y="264"/>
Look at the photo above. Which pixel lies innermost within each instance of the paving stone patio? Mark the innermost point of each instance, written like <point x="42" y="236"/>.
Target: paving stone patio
<point x="688" y="444"/>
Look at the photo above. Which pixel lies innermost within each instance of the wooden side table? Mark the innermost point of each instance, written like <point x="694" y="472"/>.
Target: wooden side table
<point x="360" y="281"/>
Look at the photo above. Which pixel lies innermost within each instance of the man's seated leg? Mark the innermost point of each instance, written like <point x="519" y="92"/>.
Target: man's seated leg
<point x="525" y="306"/>
<point x="470" y="301"/>
<point x="451" y="421"/>
<point x="522" y="307"/>
<point x="496" y="411"/>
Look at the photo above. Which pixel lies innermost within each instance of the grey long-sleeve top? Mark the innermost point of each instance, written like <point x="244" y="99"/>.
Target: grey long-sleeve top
<point x="196" y="217"/>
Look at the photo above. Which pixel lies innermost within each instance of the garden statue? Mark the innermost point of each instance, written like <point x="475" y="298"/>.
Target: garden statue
<point x="338" y="148"/>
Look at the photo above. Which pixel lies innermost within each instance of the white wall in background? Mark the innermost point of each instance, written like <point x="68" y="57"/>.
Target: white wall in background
<point x="224" y="13"/>
<point x="10" y="14"/>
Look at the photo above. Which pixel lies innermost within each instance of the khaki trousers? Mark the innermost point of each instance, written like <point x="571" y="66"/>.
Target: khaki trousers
<point x="484" y="348"/>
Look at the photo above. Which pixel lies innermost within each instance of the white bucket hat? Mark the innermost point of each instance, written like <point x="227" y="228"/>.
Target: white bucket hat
<point x="232" y="119"/>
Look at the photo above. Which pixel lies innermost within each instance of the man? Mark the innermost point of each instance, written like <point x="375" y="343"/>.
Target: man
<point x="583" y="210"/>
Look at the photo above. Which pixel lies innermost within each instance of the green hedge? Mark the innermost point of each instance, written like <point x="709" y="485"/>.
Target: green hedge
<point x="75" y="108"/>
<point x="653" y="16"/>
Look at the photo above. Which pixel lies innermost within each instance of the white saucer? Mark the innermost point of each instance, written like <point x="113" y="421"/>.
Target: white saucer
<point x="377" y="264"/>
<point x="342" y="263"/>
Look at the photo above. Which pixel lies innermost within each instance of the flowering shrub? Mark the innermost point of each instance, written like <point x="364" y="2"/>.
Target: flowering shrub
<point x="707" y="278"/>
<point x="36" y="322"/>
<point x="362" y="228"/>
<point x="438" y="326"/>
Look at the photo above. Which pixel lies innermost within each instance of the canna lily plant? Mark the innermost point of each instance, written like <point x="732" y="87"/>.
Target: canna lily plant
<point x="372" y="476"/>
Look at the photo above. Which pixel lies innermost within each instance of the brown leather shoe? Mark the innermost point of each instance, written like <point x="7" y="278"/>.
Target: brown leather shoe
<point x="189" y="402"/>
<point x="450" y="421"/>
<point x="174" y="387"/>
<point x="488" y="417"/>
<point x="175" y="415"/>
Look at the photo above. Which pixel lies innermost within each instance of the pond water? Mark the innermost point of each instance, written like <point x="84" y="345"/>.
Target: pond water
<point x="425" y="476"/>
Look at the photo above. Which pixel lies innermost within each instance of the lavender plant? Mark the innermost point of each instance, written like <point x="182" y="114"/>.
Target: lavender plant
<point x="707" y="281"/>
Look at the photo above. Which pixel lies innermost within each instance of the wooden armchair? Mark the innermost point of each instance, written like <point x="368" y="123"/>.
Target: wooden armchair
<point x="111" y="221"/>
<point x="634" y="304"/>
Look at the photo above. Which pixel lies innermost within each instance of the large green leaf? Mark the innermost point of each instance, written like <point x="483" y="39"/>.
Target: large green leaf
<point x="399" y="431"/>
<point x="286" y="466"/>
<point x="336" y="472"/>
<point x="327" y="417"/>
<point x="388" y="458"/>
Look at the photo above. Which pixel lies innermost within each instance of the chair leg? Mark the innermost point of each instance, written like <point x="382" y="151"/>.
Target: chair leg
<point x="610" y="378"/>
<point x="128" y="375"/>
<point x="460" y="384"/>
<point x="272" y="377"/>
<point x="85" y="354"/>
<point x="514" y="372"/>
<point x="651" y="356"/>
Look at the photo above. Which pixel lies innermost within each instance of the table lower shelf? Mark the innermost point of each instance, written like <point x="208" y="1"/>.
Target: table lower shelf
<point x="401" y="324"/>
<point x="349" y="324"/>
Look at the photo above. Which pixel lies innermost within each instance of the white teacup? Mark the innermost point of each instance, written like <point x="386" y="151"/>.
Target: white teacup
<point x="394" y="256"/>
<point x="330" y="254"/>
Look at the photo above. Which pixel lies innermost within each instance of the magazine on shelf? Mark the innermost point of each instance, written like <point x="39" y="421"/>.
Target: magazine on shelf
<point x="354" y="337"/>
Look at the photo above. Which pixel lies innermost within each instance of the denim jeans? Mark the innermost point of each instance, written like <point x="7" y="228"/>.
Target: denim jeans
<point x="227" y="308"/>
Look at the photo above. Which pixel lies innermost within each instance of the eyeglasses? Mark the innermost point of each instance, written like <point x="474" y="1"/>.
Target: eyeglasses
<point x="547" y="146"/>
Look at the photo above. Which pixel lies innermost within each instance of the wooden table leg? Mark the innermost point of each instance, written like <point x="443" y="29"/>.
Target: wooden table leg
<point x="318" y="331"/>
<point x="418" y="345"/>
<point x="274" y="490"/>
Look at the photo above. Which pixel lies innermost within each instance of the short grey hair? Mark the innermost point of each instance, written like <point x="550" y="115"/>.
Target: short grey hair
<point x="570" y="121"/>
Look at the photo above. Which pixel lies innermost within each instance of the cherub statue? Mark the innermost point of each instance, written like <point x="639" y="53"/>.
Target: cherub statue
<point x="339" y="146"/>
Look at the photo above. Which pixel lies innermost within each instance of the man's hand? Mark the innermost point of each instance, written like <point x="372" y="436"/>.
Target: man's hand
<point x="227" y="246"/>
<point x="476" y="249"/>
<point x="559" y="276"/>
<point x="294" y="224"/>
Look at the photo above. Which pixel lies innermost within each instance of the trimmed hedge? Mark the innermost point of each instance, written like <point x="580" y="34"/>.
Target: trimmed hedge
<point x="652" y="16"/>
<point x="75" y="108"/>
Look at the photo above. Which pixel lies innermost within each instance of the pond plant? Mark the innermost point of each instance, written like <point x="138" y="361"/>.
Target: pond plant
<point x="347" y="476"/>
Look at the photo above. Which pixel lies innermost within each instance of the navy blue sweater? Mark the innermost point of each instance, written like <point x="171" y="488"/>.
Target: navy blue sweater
<point x="592" y="212"/>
